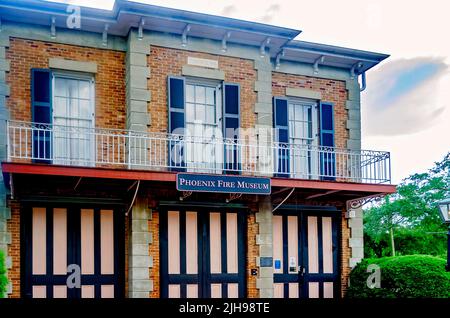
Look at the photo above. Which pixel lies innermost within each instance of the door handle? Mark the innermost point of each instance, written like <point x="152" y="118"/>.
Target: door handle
<point x="301" y="274"/>
<point x="301" y="270"/>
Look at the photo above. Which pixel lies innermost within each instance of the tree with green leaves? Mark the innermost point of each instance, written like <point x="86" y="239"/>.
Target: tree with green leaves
<point x="3" y="278"/>
<point x="408" y="221"/>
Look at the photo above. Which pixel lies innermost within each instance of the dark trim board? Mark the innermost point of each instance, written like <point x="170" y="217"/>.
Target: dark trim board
<point x="304" y="279"/>
<point x="356" y="190"/>
<point x="204" y="278"/>
<point x="73" y="250"/>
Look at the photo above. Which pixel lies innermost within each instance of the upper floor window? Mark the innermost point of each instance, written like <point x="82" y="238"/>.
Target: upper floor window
<point x="203" y="125"/>
<point x="302" y="136"/>
<point x="73" y="119"/>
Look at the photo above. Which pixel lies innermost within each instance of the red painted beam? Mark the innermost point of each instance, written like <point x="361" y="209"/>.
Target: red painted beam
<point x="88" y="172"/>
<point x="166" y="176"/>
<point x="333" y="185"/>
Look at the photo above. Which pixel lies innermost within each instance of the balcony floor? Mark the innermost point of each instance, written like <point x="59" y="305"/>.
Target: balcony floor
<point x="309" y="188"/>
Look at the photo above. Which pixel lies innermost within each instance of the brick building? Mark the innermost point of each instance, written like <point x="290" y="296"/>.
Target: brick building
<point x="154" y="152"/>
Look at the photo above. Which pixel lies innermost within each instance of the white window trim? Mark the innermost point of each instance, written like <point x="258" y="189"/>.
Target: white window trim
<point x="78" y="76"/>
<point x="314" y="169"/>
<point x="218" y="85"/>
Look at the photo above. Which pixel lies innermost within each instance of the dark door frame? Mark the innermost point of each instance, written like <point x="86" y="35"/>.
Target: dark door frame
<point x="304" y="279"/>
<point x="74" y="245"/>
<point x="204" y="278"/>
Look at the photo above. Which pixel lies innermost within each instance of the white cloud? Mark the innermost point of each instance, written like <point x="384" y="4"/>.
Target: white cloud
<point x="402" y="97"/>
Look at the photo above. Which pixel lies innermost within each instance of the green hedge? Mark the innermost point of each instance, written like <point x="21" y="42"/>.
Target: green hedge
<point x="3" y="279"/>
<point x="414" y="276"/>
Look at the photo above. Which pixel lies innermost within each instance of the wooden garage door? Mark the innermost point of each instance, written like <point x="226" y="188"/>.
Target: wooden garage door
<point x="66" y="245"/>
<point x="202" y="254"/>
<point x="305" y="254"/>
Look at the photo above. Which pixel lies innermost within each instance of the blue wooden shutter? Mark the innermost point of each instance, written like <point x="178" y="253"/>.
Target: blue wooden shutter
<point x="176" y="87"/>
<point x="281" y="125"/>
<point x="327" y="156"/>
<point x="41" y="113"/>
<point x="231" y="123"/>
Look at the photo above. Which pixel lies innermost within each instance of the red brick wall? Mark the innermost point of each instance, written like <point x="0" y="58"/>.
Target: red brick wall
<point x="252" y="253"/>
<point x="109" y="80"/>
<point x="332" y="91"/>
<point x="13" y="225"/>
<point x="345" y="254"/>
<point x="166" y="61"/>
<point x="153" y="225"/>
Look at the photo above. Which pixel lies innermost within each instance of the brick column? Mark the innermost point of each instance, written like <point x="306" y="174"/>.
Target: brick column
<point x="5" y="212"/>
<point x="264" y="239"/>
<point x="140" y="261"/>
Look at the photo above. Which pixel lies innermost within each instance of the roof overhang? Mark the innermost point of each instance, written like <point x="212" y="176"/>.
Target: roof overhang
<point x="334" y="56"/>
<point x="128" y="14"/>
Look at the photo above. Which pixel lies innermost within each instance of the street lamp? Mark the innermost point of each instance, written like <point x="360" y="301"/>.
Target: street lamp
<point x="444" y="207"/>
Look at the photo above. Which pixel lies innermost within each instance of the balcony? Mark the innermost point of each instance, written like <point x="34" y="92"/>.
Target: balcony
<point x="122" y="149"/>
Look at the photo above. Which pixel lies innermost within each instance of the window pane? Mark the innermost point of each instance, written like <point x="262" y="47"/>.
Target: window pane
<point x="60" y="87"/>
<point x="60" y="107"/>
<point x="84" y="89"/>
<point x="190" y="97"/>
<point x="72" y="86"/>
<point x="200" y="94"/>
<point x="190" y="112"/>
<point x="85" y="109"/>
<point x="210" y="115"/>
<point x="200" y="113"/>
<point x="210" y="92"/>
<point x="298" y="112"/>
<point x="74" y="108"/>
<point x="291" y="112"/>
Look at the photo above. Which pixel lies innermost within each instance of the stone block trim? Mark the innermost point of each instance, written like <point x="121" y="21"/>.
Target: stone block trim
<point x="264" y="282"/>
<point x="304" y="93"/>
<point x="137" y="74"/>
<point x="5" y="214"/>
<point x="203" y="72"/>
<point x="356" y="240"/>
<point x="353" y="106"/>
<point x="140" y="261"/>
<point x="70" y="65"/>
<point x="263" y="89"/>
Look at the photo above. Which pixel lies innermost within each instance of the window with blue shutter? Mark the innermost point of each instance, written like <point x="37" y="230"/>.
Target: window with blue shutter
<point x="231" y="125"/>
<point x="176" y="101"/>
<point x="41" y="113"/>
<point x="327" y="155"/>
<point x="280" y="123"/>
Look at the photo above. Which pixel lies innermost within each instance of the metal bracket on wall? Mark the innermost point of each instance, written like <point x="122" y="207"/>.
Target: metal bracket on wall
<point x="233" y="196"/>
<point x="357" y="203"/>
<point x="185" y="194"/>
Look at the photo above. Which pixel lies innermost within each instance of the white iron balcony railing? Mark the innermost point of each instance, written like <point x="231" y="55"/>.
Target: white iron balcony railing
<point x="79" y="146"/>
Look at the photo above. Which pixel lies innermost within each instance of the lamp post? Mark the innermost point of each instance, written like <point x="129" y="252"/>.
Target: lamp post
<point x="444" y="207"/>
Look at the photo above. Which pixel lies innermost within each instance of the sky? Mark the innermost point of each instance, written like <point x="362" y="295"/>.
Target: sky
<point x="406" y="106"/>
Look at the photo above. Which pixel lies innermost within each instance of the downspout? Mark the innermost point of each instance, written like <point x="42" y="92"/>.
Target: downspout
<point x="363" y="82"/>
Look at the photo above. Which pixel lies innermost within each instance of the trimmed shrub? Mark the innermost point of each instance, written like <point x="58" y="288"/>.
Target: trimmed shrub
<point x="413" y="276"/>
<point x="3" y="279"/>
